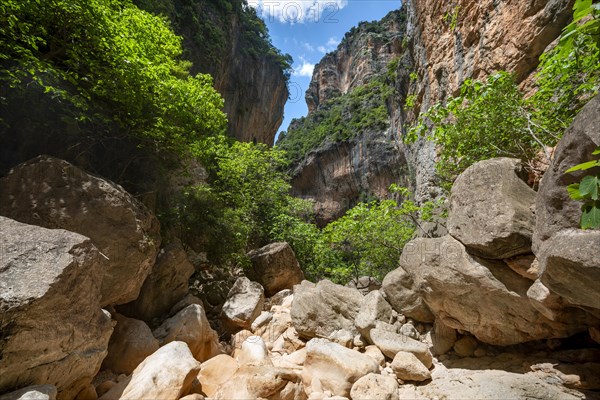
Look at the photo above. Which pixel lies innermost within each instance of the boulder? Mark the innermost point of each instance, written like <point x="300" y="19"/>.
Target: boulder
<point x="280" y="297"/>
<point x="291" y="391"/>
<point x="555" y="210"/>
<point x="130" y="343"/>
<point x="491" y="209"/>
<point x="442" y="337"/>
<point x="407" y="367"/>
<point x="263" y="319"/>
<point x="364" y="284"/>
<point x="335" y="366"/>
<point x="191" y="326"/>
<point x="244" y="303"/>
<point x="254" y="352"/>
<point x="167" y="374"/>
<point x="549" y="304"/>
<point x="278" y="325"/>
<point x="256" y="382"/>
<point x="35" y="392"/>
<point x="87" y="393"/>
<point x="376" y="354"/>
<point x="52" y="193"/>
<point x="216" y="372"/>
<point x="321" y="309"/>
<point x="375" y="387"/>
<point x="486" y="385"/>
<point x="373" y="308"/>
<point x="525" y="265"/>
<point x="166" y="285"/>
<point x="483" y="297"/>
<point x="465" y="346"/>
<point x="408" y="329"/>
<point x="398" y="288"/>
<point x="391" y="343"/>
<point x="188" y="300"/>
<point x="342" y="337"/>
<point x="53" y="329"/>
<point x="275" y="267"/>
<point x="570" y="266"/>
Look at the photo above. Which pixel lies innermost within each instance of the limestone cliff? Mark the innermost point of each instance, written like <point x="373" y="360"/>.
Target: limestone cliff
<point x="461" y="39"/>
<point x="434" y="46"/>
<point x="338" y="158"/>
<point x="364" y="52"/>
<point x="227" y="40"/>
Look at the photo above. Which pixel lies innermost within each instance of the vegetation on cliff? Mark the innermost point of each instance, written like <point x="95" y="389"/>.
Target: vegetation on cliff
<point x="111" y="63"/>
<point x="205" y="25"/>
<point x="494" y="118"/>
<point x="340" y="119"/>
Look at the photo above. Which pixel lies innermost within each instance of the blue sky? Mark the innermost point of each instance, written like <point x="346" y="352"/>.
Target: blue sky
<point x="308" y="29"/>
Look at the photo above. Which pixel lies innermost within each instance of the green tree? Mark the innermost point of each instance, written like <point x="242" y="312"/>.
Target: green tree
<point x="367" y="240"/>
<point x="112" y="62"/>
<point x="488" y="119"/>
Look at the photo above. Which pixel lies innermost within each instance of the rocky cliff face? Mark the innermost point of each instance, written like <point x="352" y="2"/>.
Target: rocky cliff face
<point x="454" y="41"/>
<point x="337" y="176"/>
<point x="351" y="162"/>
<point x="225" y="40"/>
<point x="364" y="52"/>
<point x="437" y="45"/>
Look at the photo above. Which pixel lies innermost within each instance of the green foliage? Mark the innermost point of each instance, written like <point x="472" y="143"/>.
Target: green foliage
<point x="451" y="17"/>
<point x="409" y="102"/>
<point x="413" y="76"/>
<point x="492" y="118"/>
<point x="588" y="191"/>
<point x="244" y="205"/>
<point x="392" y="69"/>
<point x="367" y="240"/>
<point x="486" y="120"/>
<point x="340" y="119"/>
<point x="123" y="64"/>
<point x="208" y="24"/>
<point x="297" y="227"/>
<point x="250" y="180"/>
<point x="570" y="73"/>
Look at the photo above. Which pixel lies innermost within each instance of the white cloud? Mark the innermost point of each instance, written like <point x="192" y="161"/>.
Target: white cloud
<point x="308" y="46"/>
<point x="329" y="46"/>
<point x="305" y="69"/>
<point x="299" y="11"/>
<point x="333" y="42"/>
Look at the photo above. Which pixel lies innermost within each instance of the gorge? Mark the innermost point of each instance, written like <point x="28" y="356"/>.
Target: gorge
<point x="155" y="243"/>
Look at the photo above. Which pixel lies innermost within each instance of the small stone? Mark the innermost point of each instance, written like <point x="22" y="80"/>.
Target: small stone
<point x="410" y="331"/>
<point x="465" y="346"/>
<point x="407" y="367"/>
<point x="594" y="333"/>
<point x="480" y="352"/>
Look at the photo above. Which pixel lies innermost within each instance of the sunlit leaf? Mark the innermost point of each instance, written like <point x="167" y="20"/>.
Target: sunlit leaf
<point x="590" y="217"/>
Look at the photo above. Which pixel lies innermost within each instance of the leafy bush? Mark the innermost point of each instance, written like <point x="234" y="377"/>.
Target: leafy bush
<point x="570" y="73"/>
<point x="367" y="240"/>
<point x="493" y="118"/>
<point x="486" y="120"/>
<point x="588" y="191"/>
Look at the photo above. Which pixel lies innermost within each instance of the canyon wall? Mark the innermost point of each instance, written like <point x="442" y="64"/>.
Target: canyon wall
<point x="454" y="41"/>
<point x="338" y="174"/>
<point x="226" y="40"/>
<point x="434" y="47"/>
